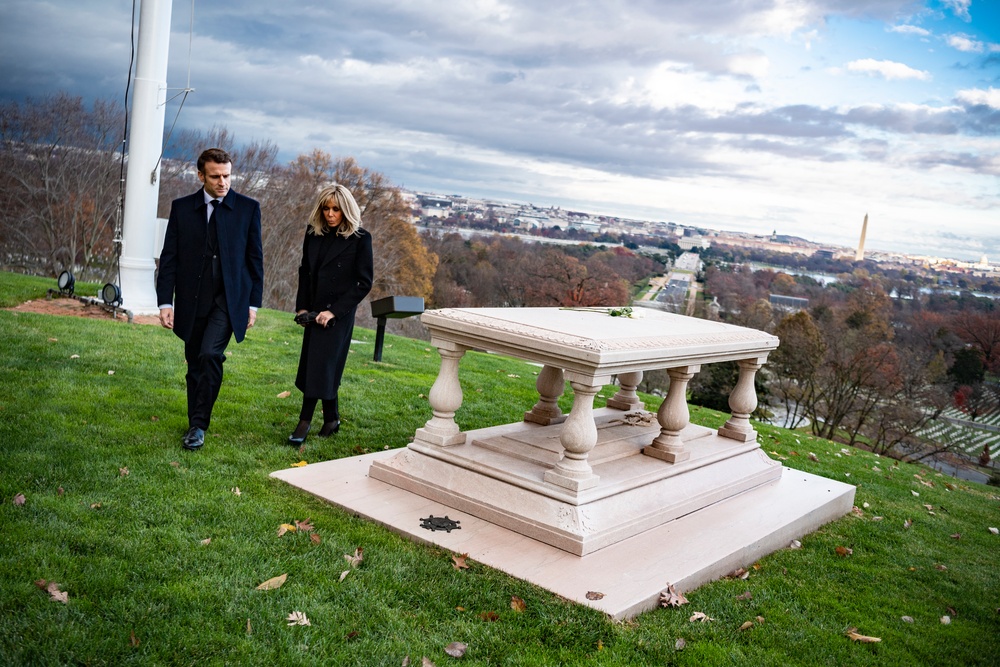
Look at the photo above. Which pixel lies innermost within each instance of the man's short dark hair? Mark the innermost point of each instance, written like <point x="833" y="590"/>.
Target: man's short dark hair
<point x="216" y="155"/>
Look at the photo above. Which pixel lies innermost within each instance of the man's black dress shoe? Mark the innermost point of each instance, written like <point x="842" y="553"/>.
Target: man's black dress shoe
<point x="298" y="436"/>
<point x="194" y="438"/>
<point x="329" y="428"/>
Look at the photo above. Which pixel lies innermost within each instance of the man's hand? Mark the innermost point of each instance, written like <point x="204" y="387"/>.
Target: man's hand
<point x="167" y="318"/>
<point x="252" y="318"/>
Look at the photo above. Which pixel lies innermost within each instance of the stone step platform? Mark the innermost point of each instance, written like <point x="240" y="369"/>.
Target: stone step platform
<point x="686" y="551"/>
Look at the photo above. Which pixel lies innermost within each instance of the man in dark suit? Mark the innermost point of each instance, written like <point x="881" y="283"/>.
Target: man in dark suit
<point x="210" y="281"/>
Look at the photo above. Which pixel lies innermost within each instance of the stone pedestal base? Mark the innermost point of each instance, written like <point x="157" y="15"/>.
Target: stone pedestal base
<point x="502" y="474"/>
<point x="687" y="552"/>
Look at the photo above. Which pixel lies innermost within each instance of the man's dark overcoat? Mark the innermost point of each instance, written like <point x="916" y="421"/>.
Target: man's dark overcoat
<point x="335" y="275"/>
<point x="241" y="257"/>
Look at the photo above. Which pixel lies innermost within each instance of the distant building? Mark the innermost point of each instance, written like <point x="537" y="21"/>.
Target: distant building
<point x="789" y="303"/>
<point x="433" y="201"/>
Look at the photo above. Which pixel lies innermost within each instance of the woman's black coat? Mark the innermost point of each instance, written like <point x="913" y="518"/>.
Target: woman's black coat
<point x="336" y="274"/>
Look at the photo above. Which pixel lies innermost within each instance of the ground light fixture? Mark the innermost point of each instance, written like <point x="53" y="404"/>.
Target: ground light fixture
<point x="66" y="283"/>
<point x="111" y="295"/>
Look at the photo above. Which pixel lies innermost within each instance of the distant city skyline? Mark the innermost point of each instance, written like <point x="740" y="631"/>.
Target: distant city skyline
<point x="844" y="248"/>
<point x="791" y="115"/>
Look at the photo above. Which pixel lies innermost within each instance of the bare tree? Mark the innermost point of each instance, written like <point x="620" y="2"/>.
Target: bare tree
<point x="62" y="180"/>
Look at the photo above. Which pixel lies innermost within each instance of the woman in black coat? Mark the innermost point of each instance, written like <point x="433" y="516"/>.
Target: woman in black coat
<point x="335" y="275"/>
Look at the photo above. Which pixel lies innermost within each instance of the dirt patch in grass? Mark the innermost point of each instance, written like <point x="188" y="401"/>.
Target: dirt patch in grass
<point x="71" y="307"/>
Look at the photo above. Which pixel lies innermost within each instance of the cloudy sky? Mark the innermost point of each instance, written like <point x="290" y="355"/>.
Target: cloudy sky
<point x="798" y="116"/>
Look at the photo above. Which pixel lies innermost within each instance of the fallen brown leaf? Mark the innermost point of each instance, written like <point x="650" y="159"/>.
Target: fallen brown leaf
<point x="844" y="551"/>
<point x="594" y="595"/>
<point x="456" y="649"/>
<point x="249" y="627"/>
<point x="314" y="538"/>
<point x="304" y="526"/>
<point x="671" y="597"/>
<point x="284" y="394"/>
<point x="355" y="559"/>
<point x="490" y="616"/>
<point x="853" y="635"/>
<point x="60" y="491"/>
<point x="700" y="616"/>
<point x="747" y="625"/>
<point x="956" y="536"/>
<point x="272" y="583"/>
<point x="458" y="562"/>
<point x="680" y="644"/>
<point x="745" y="596"/>
<point x="205" y="542"/>
<point x="133" y="640"/>
<point x="907" y="523"/>
<point x="426" y="662"/>
<point x="941" y="567"/>
<point x="297" y="618"/>
<point x="19" y="499"/>
<point x="55" y="594"/>
<point x="740" y="573"/>
<point x="343" y="575"/>
<point x="517" y="604"/>
<point x="123" y="472"/>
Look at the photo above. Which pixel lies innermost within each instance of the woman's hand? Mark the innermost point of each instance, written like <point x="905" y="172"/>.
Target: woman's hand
<point x="324" y="318"/>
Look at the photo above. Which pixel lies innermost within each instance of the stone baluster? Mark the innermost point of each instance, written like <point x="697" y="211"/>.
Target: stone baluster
<point x="626" y="398"/>
<point x="578" y="437"/>
<point x="674" y="417"/>
<point x="445" y="399"/>
<point x="742" y="402"/>
<point x="550" y="385"/>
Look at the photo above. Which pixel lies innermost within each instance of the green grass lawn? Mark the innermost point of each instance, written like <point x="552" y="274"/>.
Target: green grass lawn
<point x="161" y="557"/>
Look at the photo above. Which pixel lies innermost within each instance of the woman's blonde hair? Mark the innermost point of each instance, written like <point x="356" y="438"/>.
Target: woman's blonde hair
<point x="336" y="193"/>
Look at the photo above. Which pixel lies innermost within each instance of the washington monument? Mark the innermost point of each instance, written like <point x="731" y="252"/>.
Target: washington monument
<point x="860" y="255"/>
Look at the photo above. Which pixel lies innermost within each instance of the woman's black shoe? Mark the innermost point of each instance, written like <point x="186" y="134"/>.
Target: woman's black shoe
<point x="298" y="436"/>
<point x="329" y="428"/>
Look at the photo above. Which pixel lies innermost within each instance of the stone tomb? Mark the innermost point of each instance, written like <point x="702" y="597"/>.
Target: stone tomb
<point x="596" y="483"/>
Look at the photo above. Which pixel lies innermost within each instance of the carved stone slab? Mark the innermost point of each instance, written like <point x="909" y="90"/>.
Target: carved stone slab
<point x="592" y="343"/>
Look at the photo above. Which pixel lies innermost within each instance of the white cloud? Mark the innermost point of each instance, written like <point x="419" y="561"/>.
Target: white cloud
<point x="964" y="43"/>
<point x="976" y="96"/>
<point x="907" y="29"/>
<point x="959" y="8"/>
<point x="887" y="69"/>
